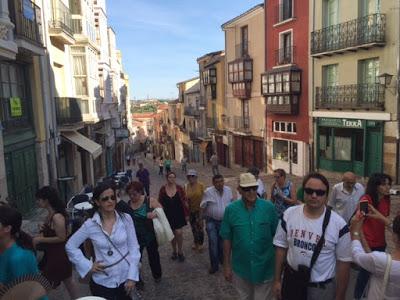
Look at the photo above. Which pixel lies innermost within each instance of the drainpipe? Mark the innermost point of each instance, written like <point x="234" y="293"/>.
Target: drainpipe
<point x="49" y="114"/>
<point x="312" y="93"/>
<point x="398" y="104"/>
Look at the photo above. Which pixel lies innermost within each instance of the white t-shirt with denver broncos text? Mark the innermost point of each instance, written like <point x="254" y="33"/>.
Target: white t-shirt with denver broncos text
<point x="300" y="235"/>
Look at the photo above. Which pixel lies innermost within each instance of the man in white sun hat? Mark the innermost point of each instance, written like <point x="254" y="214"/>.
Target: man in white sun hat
<point x="248" y="228"/>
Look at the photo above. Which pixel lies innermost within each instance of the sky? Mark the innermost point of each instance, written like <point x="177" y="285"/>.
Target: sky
<point x="160" y="40"/>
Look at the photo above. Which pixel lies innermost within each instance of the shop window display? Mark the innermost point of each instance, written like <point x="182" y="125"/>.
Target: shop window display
<point x="280" y="150"/>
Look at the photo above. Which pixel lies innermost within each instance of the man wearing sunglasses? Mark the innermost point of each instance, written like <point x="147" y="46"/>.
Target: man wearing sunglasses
<point x="315" y="243"/>
<point x="247" y="229"/>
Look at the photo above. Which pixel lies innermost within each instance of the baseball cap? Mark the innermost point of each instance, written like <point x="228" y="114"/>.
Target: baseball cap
<point x="192" y="172"/>
<point x="247" y="179"/>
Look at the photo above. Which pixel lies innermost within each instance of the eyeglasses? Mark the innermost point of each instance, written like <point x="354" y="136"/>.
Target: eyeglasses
<point x="104" y="199"/>
<point x="310" y="191"/>
<point x="249" y="188"/>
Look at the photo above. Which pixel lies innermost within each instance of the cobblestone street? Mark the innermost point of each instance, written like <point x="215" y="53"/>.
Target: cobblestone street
<point x="188" y="280"/>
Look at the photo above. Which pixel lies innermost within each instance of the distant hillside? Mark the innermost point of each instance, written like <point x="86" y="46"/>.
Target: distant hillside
<point x="150" y="108"/>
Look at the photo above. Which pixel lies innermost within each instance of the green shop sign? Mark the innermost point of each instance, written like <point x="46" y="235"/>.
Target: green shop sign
<point x="342" y="123"/>
<point x="15" y="107"/>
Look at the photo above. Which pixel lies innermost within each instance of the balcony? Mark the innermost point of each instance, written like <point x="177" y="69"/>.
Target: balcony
<point x="284" y="56"/>
<point x="60" y="26"/>
<point x="192" y="111"/>
<point x="242" y="124"/>
<point x="351" y="97"/>
<point x="26" y="17"/>
<point x="361" y="33"/>
<point x="283" y="105"/>
<point x="68" y="111"/>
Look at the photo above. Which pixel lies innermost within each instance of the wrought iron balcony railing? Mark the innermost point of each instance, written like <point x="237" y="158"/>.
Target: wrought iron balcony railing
<point x="363" y="32"/>
<point x="26" y="17"/>
<point x="68" y="111"/>
<point x="241" y="123"/>
<point x="61" y="18"/>
<point x="353" y="96"/>
<point x="285" y="55"/>
<point x="192" y="111"/>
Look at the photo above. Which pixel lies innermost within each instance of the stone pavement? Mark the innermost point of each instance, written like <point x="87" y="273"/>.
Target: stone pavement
<point x="188" y="280"/>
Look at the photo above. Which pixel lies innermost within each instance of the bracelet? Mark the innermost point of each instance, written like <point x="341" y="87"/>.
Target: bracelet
<point x="355" y="233"/>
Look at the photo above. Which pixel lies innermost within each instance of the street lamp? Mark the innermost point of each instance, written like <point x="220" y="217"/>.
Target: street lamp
<point x="385" y="79"/>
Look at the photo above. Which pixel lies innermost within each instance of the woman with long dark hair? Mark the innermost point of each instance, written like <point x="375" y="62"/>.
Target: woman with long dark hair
<point x="116" y="250"/>
<point x="16" y="249"/>
<point x="377" y="193"/>
<point x="173" y="199"/>
<point x="140" y="207"/>
<point x="55" y="265"/>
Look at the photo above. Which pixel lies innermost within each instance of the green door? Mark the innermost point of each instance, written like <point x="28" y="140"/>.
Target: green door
<point x="22" y="178"/>
<point x="374" y="152"/>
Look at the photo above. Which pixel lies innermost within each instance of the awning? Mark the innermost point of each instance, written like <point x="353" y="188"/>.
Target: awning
<point x="82" y="141"/>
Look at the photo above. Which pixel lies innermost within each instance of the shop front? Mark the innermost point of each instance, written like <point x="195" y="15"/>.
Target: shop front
<point x="349" y="145"/>
<point x="290" y="155"/>
<point x="248" y="151"/>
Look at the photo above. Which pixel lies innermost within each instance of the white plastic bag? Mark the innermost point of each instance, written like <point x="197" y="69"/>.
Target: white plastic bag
<point x="162" y="228"/>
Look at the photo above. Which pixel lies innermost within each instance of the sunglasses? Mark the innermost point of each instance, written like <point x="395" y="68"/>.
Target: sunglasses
<point x="249" y="188"/>
<point x="104" y="199"/>
<point x="310" y="191"/>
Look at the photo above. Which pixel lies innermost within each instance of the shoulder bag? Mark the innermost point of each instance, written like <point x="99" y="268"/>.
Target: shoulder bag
<point x="295" y="283"/>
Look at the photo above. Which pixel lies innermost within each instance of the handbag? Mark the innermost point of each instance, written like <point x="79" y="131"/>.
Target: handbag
<point x="295" y="283"/>
<point x="162" y="228"/>
<point x="386" y="276"/>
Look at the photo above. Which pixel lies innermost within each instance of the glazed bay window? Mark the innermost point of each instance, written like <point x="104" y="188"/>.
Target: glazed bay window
<point x="209" y="76"/>
<point x="240" y="70"/>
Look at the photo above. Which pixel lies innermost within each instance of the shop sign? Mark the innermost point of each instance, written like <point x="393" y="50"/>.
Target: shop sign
<point x="15" y="107"/>
<point x="343" y="123"/>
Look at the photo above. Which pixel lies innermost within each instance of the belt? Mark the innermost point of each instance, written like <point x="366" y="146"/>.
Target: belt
<point x="321" y="284"/>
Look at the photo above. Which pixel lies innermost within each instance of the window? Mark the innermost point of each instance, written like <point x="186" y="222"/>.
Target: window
<point x="213" y="88"/>
<point x="342" y="144"/>
<point x="280" y="149"/>
<point x="284" y="127"/>
<point x="244" y="40"/>
<point x="79" y="70"/>
<point x="239" y="71"/>
<point x="325" y="143"/>
<point x="285" y="52"/>
<point x="331" y="12"/>
<point x="368" y="7"/>
<point x="285" y="10"/>
<point x="330" y="75"/>
<point x="368" y="71"/>
<point x="75" y="7"/>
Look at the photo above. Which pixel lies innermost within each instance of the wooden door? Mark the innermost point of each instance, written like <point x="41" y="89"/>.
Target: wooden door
<point x="258" y="154"/>
<point x="248" y="153"/>
<point x="238" y="150"/>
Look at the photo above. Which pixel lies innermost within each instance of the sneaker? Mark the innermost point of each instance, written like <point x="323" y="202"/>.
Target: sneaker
<point x="174" y="256"/>
<point x="181" y="258"/>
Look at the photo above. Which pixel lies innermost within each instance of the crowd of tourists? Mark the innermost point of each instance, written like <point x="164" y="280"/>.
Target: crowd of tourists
<point x="286" y="244"/>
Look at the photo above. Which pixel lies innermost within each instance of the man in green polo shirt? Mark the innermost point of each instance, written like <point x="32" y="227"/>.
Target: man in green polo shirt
<point x="248" y="229"/>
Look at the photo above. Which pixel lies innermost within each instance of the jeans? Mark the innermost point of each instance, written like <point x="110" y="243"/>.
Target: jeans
<point x="215" y="170"/>
<point x="197" y="228"/>
<point x="215" y="243"/>
<point x="147" y="189"/>
<point x="363" y="278"/>
<point x="154" y="258"/>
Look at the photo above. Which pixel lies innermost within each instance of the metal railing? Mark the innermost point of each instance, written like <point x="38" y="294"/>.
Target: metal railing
<point x="284" y="55"/>
<point x="61" y="17"/>
<point x="68" y="110"/>
<point x="192" y="111"/>
<point x="284" y="11"/>
<point x="26" y="17"/>
<point x="352" y="96"/>
<point x="241" y="123"/>
<point x="365" y="30"/>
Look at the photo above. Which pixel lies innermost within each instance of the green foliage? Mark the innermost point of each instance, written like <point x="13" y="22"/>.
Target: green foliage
<point x="150" y="108"/>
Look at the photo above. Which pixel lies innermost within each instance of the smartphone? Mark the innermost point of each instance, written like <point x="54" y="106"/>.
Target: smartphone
<point x="364" y="207"/>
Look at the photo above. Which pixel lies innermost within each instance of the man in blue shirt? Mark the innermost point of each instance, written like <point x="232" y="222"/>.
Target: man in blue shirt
<point x="143" y="176"/>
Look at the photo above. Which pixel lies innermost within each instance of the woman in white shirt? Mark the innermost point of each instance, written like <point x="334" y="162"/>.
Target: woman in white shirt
<point x="377" y="262"/>
<point x="116" y="249"/>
